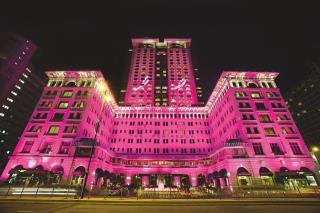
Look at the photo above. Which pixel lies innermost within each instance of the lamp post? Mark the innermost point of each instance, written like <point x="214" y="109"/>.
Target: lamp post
<point x="104" y="98"/>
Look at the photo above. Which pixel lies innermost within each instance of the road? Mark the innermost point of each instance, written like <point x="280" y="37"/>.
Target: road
<point x="154" y="207"/>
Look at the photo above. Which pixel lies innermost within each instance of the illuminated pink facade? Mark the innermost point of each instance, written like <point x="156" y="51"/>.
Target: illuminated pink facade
<point x="243" y="135"/>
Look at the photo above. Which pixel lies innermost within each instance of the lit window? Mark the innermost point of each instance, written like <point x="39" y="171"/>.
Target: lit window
<point x="22" y="81"/>
<point x="53" y="130"/>
<point x="5" y="106"/>
<point x="67" y="94"/>
<point x="18" y="87"/>
<point x="14" y="93"/>
<point x="24" y="75"/>
<point x="1" y="114"/>
<point x="269" y="131"/>
<point x="63" y="105"/>
<point x="264" y="118"/>
<point x="28" y="70"/>
<point x="10" y="100"/>
<point x="23" y="53"/>
<point x="255" y="95"/>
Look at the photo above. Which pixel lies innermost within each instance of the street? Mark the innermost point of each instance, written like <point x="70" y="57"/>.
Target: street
<point x="155" y="206"/>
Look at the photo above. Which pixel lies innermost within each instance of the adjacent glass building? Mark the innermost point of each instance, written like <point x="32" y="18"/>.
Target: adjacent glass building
<point x="161" y="137"/>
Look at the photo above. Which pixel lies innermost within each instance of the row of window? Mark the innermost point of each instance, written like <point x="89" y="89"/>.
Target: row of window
<point x="158" y="123"/>
<point x="164" y="141"/>
<point x="158" y="150"/>
<point x="260" y="105"/>
<point x="46" y="148"/>
<point x="184" y="116"/>
<point x="269" y="131"/>
<point x="165" y="132"/>
<point x="54" y="129"/>
<point x="275" y="148"/>
<point x="256" y="95"/>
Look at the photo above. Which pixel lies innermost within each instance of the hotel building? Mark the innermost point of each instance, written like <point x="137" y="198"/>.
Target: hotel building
<point x="161" y="137"/>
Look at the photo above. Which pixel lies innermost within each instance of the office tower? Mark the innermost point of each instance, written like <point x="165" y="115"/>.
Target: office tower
<point x="20" y="89"/>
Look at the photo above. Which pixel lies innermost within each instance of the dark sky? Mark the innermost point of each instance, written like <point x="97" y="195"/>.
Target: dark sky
<point x="227" y="35"/>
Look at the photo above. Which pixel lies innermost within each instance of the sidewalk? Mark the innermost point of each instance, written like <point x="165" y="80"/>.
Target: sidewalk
<point x="122" y="201"/>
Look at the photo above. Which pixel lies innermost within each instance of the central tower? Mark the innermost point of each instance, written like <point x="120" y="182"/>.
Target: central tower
<point x="161" y="73"/>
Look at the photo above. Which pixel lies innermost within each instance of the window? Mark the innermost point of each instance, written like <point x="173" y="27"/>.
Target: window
<point x="257" y="148"/>
<point x="269" y="131"/>
<point x="53" y="130"/>
<point x="260" y="106"/>
<point x="77" y="104"/>
<point x="264" y="118"/>
<point x="70" y="129"/>
<point x="244" y="105"/>
<point x="282" y="117"/>
<point x="64" y="148"/>
<point x="287" y="130"/>
<point x="248" y="117"/>
<point x="253" y="130"/>
<point x="63" y="105"/>
<point x="27" y="147"/>
<point x="240" y="94"/>
<point x="46" y="148"/>
<point x="57" y="117"/>
<point x="35" y="128"/>
<point x="256" y="95"/>
<point x="295" y="149"/>
<point x="276" y="149"/>
<point x="67" y="94"/>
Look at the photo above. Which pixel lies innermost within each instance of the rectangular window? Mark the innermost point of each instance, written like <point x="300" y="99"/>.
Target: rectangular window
<point x="67" y="94"/>
<point x="27" y="147"/>
<point x="287" y="130"/>
<point x="46" y="148"/>
<point x="54" y="130"/>
<point x="57" y="117"/>
<point x="63" y="105"/>
<point x="295" y="149"/>
<point x="269" y="131"/>
<point x="257" y="148"/>
<point x="240" y="94"/>
<point x="260" y="106"/>
<point x="64" y="149"/>
<point x="264" y="118"/>
<point x="70" y="129"/>
<point x="276" y="150"/>
<point x="256" y="95"/>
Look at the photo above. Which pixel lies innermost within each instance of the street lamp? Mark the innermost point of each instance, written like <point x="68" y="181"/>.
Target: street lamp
<point x="314" y="149"/>
<point x="313" y="152"/>
<point x="102" y="89"/>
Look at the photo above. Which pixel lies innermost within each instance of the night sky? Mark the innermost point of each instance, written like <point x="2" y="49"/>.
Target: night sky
<point x="227" y="35"/>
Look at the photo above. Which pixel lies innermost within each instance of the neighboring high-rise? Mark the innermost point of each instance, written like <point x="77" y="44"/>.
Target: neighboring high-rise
<point x="20" y="89"/>
<point x="304" y="103"/>
<point x="243" y="136"/>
